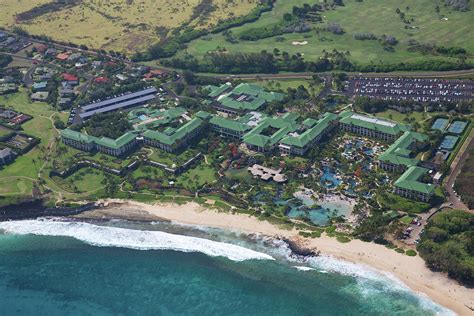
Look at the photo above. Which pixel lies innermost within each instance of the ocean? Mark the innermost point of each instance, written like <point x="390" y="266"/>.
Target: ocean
<point x="52" y="267"/>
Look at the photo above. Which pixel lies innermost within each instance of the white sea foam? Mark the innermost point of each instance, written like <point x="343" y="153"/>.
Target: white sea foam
<point x="370" y="281"/>
<point x="303" y="268"/>
<point x="104" y="236"/>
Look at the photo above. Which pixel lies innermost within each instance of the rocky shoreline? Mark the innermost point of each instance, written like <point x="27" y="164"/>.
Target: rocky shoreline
<point x="35" y="208"/>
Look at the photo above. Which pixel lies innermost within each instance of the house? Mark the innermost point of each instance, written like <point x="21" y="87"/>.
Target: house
<point x="40" y="86"/>
<point x="6" y="156"/>
<point x="74" y="56"/>
<point x="7" y="114"/>
<point x="46" y="77"/>
<point x="8" y="88"/>
<point x="121" y="77"/>
<point x="64" y="102"/>
<point x="96" y="64"/>
<point x="66" y="92"/>
<point x="40" y="96"/>
<point x="70" y="78"/>
<point x="50" y="52"/>
<point x="41" y="48"/>
<point x="100" y="80"/>
<point x="62" y="56"/>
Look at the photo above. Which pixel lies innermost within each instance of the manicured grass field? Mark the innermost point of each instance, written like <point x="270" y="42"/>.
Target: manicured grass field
<point x="197" y="177"/>
<point x="401" y="117"/>
<point x="118" y="25"/>
<point x="378" y="17"/>
<point x="282" y="84"/>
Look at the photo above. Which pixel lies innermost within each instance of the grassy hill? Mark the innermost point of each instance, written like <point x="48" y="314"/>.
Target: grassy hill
<point x="416" y="25"/>
<point x="121" y="25"/>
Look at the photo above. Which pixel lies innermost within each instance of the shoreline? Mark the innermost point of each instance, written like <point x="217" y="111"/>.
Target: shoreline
<point x="409" y="270"/>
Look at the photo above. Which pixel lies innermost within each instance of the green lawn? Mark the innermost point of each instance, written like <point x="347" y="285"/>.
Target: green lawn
<point x="375" y="16"/>
<point x="171" y="159"/>
<point x="84" y="180"/>
<point x="400" y="117"/>
<point x="197" y="176"/>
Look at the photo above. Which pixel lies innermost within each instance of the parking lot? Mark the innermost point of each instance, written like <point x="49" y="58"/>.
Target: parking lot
<point x="420" y="90"/>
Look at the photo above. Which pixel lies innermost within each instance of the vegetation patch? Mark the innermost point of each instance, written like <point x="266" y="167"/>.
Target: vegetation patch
<point x="448" y="245"/>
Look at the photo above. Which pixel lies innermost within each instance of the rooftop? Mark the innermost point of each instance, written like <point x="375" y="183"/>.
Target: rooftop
<point x="373" y="123"/>
<point x="409" y="180"/>
<point x="399" y="152"/>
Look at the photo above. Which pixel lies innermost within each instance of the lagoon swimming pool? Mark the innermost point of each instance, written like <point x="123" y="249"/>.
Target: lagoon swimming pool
<point x="329" y="179"/>
<point x="319" y="215"/>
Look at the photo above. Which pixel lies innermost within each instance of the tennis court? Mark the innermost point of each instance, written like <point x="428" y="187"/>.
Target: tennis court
<point x="440" y="124"/>
<point x="457" y="127"/>
<point x="449" y="142"/>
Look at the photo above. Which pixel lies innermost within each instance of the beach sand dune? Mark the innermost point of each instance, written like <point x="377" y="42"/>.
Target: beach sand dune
<point x="410" y="270"/>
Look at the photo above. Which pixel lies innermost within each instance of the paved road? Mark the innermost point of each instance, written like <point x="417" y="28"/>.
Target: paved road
<point x="415" y="234"/>
<point x="457" y="164"/>
<point x="300" y="75"/>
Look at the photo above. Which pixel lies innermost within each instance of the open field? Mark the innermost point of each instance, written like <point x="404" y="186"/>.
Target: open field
<point x="121" y="25"/>
<point x="378" y="17"/>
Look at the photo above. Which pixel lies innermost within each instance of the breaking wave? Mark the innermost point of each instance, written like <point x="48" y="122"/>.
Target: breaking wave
<point x="104" y="236"/>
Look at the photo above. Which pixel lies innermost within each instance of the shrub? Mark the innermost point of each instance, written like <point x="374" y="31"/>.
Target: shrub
<point x="411" y="253"/>
<point x="399" y="250"/>
<point x="343" y="239"/>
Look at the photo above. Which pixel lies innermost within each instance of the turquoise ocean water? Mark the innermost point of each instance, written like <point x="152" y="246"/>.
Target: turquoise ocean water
<point x="56" y="268"/>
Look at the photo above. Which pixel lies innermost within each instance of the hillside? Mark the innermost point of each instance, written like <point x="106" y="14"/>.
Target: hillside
<point x="122" y="25"/>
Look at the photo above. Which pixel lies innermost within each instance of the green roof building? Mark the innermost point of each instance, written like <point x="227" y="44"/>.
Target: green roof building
<point x="298" y="143"/>
<point x="172" y="139"/>
<point x="410" y="186"/>
<point x="400" y="155"/>
<point x="243" y="98"/>
<point x="113" y="147"/>
<point x="371" y="126"/>
<point x="269" y="132"/>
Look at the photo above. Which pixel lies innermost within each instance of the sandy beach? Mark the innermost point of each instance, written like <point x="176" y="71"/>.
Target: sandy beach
<point x="410" y="270"/>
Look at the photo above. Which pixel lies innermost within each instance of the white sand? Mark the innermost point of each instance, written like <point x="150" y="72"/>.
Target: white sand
<point x="410" y="270"/>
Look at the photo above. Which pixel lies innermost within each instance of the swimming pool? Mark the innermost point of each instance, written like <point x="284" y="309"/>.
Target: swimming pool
<point x="329" y="179"/>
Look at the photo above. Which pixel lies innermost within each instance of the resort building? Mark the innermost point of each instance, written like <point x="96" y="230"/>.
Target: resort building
<point x="113" y="147"/>
<point x="410" y="186"/>
<point x="400" y="155"/>
<point x="266" y="174"/>
<point x="117" y="147"/>
<point x="370" y="126"/>
<point x="270" y="131"/>
<point x="242" y="99"/>
<point x="228" y="128"/>
<point x="78" y="140"/>
<point x="299" y="142"/>
<point x="172" y="139"/>
<point x="235" y="128"/>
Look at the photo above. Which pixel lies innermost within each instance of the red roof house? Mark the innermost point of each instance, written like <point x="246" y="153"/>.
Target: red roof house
<point x="62" y="56"/>
<point x="101" y="80"/>
<point x="70" y="77"/>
